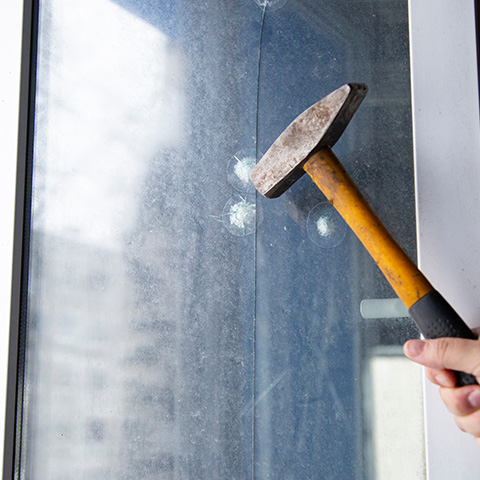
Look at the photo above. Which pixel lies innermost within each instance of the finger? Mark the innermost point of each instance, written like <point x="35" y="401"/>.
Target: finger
<point x="461" y="401"/>
<point x="446" y="353"/>
<point x="469" y="423"/>
<point x="443" y="378"/>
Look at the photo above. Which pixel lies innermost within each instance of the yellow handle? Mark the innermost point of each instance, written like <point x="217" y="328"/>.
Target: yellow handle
<point x="333" y="180"/>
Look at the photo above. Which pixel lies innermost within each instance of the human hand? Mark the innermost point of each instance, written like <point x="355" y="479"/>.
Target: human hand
<point x="440" y="357"/>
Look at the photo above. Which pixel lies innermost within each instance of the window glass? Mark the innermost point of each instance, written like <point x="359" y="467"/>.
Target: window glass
<point x="180" y="326"/>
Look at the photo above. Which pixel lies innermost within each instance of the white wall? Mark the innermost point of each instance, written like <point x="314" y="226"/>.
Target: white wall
<point x="447" y="156"/>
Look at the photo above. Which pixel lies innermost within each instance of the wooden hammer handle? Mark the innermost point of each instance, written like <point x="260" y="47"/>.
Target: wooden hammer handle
<point x="432" y="314"/>
<point x="333" y="180"/>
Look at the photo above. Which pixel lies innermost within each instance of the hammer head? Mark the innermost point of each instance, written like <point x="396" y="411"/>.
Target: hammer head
<point x="319" y="126"/>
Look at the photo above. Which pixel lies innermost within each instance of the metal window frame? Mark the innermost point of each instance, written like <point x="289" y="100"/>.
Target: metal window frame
<point x="450" y="454"/>
<point x="20" y="21"/>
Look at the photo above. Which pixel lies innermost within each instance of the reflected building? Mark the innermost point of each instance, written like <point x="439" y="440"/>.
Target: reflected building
<point x="79" y="340"/>
<point x="105" y="402"/>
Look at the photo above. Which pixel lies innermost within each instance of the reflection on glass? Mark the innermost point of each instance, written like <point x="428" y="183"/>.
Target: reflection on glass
<point x="180" y="327"/>
<point x="139" y="350"/>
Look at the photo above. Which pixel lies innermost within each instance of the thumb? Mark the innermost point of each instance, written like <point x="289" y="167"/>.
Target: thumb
<point x="446" y="353"/>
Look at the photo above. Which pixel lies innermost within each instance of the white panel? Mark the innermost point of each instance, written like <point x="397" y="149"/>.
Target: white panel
<point x="10" y="36"/>
<point x="395" y="381"/>
<point x="447" y="154"/>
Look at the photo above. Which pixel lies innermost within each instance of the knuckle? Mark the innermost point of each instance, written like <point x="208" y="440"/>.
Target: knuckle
<point x="476" y="369"/>
<point x="453" y="354"/>
<point x="442" y="349"/>
<point x="469" y="423"/>
<point x="455" y="404"/>
<point x="431" y="374"/>
<point x="476" y="364"/>
<point x="459" y="405"/>
<point x="458" y="421"/>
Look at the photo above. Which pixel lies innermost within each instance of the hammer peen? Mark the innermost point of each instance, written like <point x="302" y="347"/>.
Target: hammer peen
<point x="305" y="146"/>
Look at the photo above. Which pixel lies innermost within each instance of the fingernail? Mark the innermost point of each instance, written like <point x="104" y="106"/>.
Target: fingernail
<point x="474" y="398"/>
<point x="415" y="347"/>
<point x="444" y="381"/>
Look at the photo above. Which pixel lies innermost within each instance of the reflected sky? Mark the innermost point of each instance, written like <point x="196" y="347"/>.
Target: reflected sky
<point x="113" y="96"/>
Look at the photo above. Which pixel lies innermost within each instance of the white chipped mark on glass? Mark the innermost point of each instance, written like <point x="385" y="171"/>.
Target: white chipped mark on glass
<point x="271" y="4"/>
<point x="241" y="215"/>
<point x="325" y="227"/>
<point x="239" y="168"/>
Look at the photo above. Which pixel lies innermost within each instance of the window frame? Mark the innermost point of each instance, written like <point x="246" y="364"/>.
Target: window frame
<point x="445" y="107"/>
<point x="18" y="27"/>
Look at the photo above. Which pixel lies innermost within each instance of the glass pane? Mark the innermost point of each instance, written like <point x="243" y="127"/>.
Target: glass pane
<point x="179" y="326"/>
<point x="314" y="349"/>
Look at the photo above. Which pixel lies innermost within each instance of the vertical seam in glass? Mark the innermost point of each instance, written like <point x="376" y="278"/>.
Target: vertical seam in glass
<point x="260" y="40"/>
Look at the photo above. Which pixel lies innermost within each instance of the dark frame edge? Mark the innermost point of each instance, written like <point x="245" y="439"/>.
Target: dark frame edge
<point x="477" y="36"/>
<point x="14" y="399"/>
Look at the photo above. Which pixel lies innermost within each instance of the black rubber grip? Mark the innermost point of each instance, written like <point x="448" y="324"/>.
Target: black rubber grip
<point x="435" y="318"/>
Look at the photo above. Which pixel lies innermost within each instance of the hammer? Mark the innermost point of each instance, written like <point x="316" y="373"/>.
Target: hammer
<point x="305" y="146"/>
